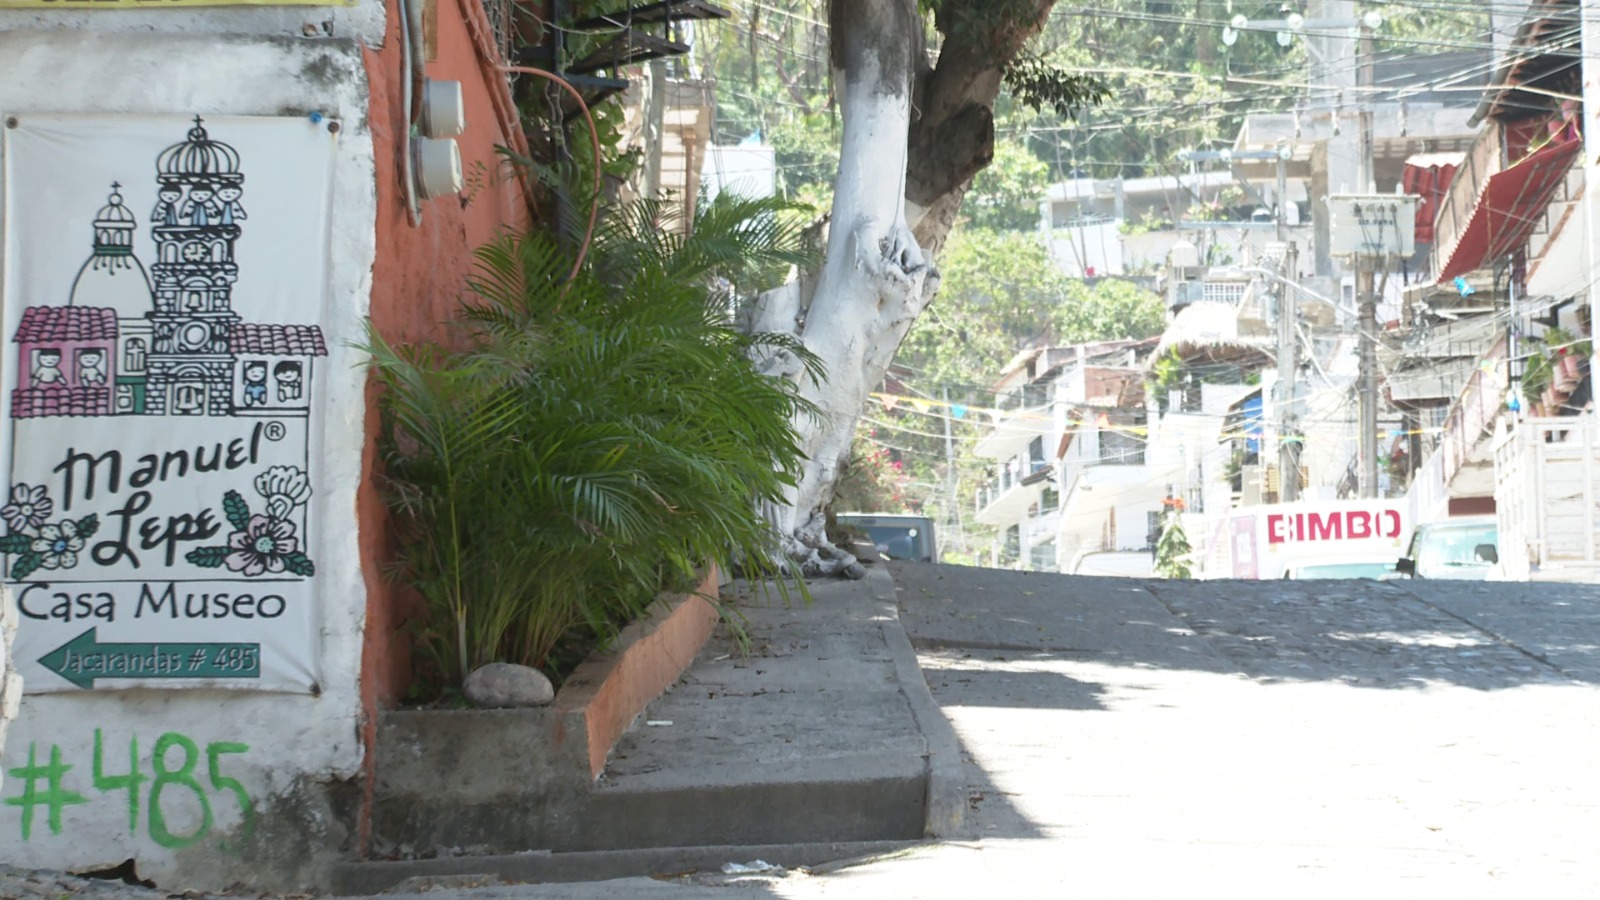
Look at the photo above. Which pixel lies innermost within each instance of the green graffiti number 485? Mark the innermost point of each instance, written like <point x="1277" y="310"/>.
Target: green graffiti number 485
<point x="130" y="782"/>
<point x="55" y="796"/>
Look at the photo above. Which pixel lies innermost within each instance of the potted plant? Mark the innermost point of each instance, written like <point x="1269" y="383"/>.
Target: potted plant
<point x="1399" y="465"/>
<point x="1567" y="353"/>
<point x="1536" y="377"/>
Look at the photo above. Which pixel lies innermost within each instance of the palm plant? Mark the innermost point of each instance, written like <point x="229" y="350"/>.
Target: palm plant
<point x="1172" y="545"/>
<point x="591" y="441"/>
<point x="1536" y="376"/>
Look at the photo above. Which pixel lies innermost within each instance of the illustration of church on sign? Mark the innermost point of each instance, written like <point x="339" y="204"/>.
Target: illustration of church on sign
<point x="168" y="343"/>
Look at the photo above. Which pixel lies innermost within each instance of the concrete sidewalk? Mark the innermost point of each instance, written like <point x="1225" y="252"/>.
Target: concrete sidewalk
<point x="822" y="743"/>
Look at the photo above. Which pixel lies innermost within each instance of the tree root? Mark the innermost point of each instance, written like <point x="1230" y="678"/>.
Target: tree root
<point x="816" y="557"/>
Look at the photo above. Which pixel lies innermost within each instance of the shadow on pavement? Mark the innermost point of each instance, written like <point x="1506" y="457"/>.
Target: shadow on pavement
<point x="1398" y="635"/>
<point x="1006" y="679"/>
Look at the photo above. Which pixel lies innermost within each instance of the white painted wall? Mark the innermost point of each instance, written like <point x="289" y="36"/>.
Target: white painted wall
<point x="1079" y="248"/>
<point x="1590" y="200"/>
<point x="235" y="61"/>
<point x="749" y="171"/>
<point x="10" y="684"/>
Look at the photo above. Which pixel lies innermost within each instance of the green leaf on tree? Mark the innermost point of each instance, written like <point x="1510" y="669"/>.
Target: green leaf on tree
<point x="300" y="564"/>
<point x="1037" y="84"/>
<point x="207" y="557"/>
<point x="237" y="511"/>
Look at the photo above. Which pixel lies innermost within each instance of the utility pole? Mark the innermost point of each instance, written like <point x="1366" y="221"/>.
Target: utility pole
<point x="1288" y="344"/>
<point x="952" y="514"/>
<point x="1288" y="369"/>
<point x="655" y="115"/>
<point x="1367" y="320"/>
<point x="1283" y="191"/>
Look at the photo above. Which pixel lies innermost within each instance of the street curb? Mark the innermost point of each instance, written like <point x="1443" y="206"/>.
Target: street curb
<point x="368" y="878"/>
<point x="611" y="688"/>
<point x="947" y="795"/>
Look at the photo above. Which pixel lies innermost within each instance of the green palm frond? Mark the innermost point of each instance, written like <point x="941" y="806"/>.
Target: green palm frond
<point x="593" y="438"/>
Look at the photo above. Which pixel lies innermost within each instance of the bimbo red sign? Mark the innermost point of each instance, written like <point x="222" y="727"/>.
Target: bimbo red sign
<point x="1330" y="525"/>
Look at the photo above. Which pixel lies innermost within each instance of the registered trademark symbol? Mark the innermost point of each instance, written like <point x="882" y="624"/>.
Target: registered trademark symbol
<point x="275" y="431"/>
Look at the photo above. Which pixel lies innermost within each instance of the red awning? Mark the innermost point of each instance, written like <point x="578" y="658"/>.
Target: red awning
<point x="1509" y="204"/>
<point x="1428" y="175"/>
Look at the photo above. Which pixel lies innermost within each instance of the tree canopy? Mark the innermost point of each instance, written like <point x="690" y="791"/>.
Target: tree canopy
<point x="1003" y="293"/>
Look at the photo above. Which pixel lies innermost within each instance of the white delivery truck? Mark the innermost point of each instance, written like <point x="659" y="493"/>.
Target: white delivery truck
<point x="1327" y="539"/>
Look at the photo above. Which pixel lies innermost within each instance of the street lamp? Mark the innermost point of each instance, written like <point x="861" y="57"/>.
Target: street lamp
<point x="1294" y="23"/>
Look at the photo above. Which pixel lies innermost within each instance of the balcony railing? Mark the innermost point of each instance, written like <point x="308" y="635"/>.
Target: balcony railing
<point x="1456" y="210"/>
<point x="1472" y="413"/>
<point x="1011" y="475"/>
<point x="1031" y="396"/>
<point x="1120" y="453"/>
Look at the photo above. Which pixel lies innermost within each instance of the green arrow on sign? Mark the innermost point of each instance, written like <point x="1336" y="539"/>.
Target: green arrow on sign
<point x="83" y="659"/>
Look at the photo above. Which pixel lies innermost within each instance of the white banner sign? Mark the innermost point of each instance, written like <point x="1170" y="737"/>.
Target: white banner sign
<point x="164" y="280"/>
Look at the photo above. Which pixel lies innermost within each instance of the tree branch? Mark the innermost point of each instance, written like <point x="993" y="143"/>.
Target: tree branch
<point x="943" y="158"/>
<point x="952" y="134"/>
<point x="790" y="82"/>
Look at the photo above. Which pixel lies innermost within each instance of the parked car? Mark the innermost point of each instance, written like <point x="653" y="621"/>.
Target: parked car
<point x="1118" y="563"/>
<point x="896" y="536"/>
<point x="1463" y="549"/>
<point x="1341" y="568"/>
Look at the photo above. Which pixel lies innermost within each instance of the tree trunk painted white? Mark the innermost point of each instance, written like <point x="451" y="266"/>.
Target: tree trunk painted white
<point x="10" y="682"/>
<point x="912" y="139"/>
<point x="875" y="279"/>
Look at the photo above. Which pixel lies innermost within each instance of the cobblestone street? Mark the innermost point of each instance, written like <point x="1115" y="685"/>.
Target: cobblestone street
<point x="1396" y="634"/>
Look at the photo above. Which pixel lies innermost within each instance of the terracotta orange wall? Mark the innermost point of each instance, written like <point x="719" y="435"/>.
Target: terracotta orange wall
<point x="417" y="281"/>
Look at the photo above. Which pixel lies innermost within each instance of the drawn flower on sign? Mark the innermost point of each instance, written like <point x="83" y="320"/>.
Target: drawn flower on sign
<point x="57" y="545"/>
<point x="28" y="509"/>
<point x="50" y="546"/>
<point x="258" y="544"/>
<point x="284" y="488"/>
<point x="263" y="546"/>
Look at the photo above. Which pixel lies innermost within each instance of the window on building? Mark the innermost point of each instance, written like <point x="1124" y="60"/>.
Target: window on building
<point x="1122" y="439"/>
<point x="1049" y="500"/>
<point x="1012" y="548"/>
<point x="1224" y="291"/>
<point x="1042" y="557"/>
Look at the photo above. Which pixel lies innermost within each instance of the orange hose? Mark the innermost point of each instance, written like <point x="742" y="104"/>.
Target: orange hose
<point x="594" y="137"/>
<point x="505" y="108"/>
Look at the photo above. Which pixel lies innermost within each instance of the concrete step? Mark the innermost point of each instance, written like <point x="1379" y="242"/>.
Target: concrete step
<point x="859" y="798"/>
<point x="373" y="877"/>
<point x="862" y="798"/>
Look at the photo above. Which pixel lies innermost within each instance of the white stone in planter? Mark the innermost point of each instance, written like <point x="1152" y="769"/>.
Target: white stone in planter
<point x="499" y="685"/>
